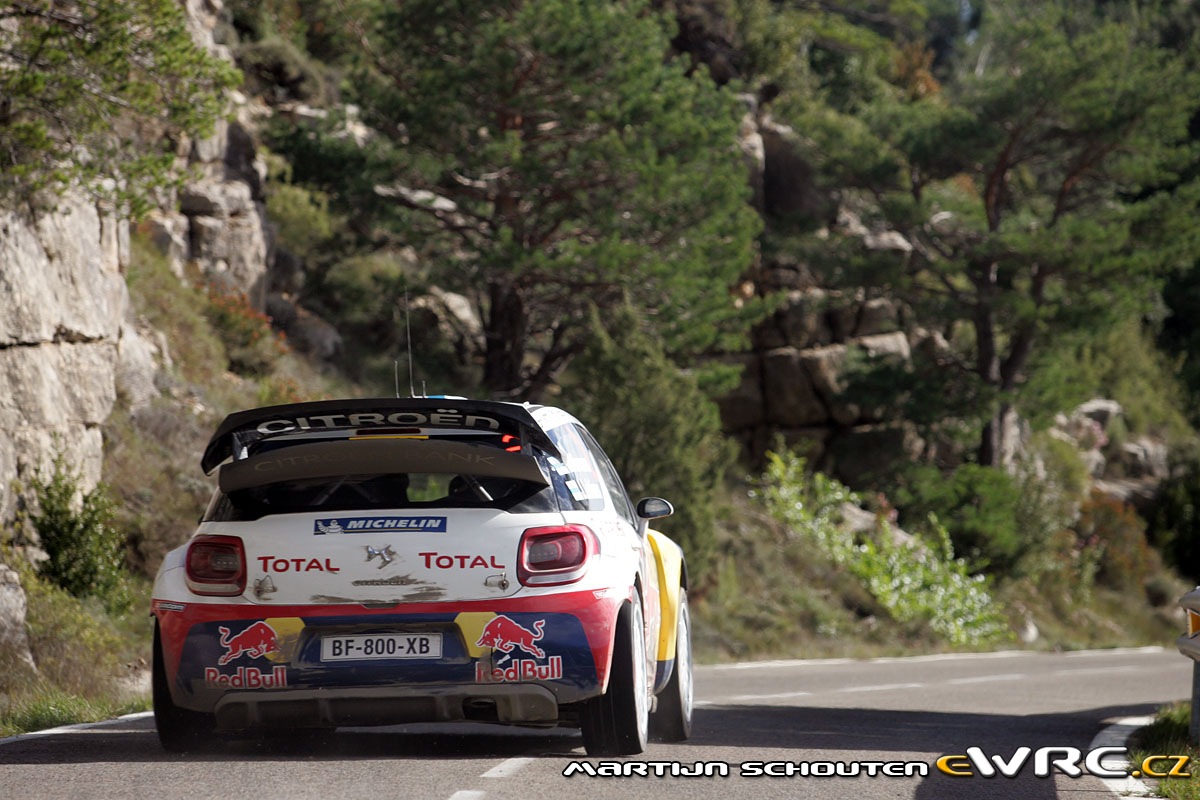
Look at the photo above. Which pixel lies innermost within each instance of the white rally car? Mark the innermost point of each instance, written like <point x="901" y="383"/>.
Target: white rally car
<point x="383" y="561"/>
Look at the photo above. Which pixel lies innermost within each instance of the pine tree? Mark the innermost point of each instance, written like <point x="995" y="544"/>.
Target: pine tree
<point x="546" y="155"/>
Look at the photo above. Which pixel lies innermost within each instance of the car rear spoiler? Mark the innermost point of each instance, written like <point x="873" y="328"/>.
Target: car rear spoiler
<point x="338" y="457"/>
<point x="370" y="416"/>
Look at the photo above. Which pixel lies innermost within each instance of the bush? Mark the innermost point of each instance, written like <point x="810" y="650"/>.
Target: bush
<point x="1174" y="521"/>
<point x="76" y="648"/>
<point x="253" y="347"/>
<point x="914" y="583"/>
<point x="86" y="554"/>
<point x="1118" y="531"/>
<point x="980" y="507"/>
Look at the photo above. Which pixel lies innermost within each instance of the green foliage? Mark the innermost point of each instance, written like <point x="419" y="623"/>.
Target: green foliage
<point x="1046" y="191"/>
<point x="86" y="554"/>
<point x="1120" y="363"/>
<point x="1174" y="521"/>
<point x="176" y="308"/>
<point x="90" y="90"/>
<point x="929" y="584"/>
<point x="277" y="71"/>
<point x="660" y="430"/>
<point x="75" y="647"/>
<point x="82" y="653"/>
<point x="47" y="707"/>
<point x="1169" y="732"/>
<point x="913" y="582"/>
<point x="546" y="156"/>
<point x="978" y="505"/>
<point x="301" y="216"/>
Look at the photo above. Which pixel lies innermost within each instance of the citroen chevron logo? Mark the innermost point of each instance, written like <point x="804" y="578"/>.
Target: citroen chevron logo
<point x="386" y="555"/>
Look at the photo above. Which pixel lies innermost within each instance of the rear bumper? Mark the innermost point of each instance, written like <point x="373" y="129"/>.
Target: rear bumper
<point x="518" y="704"/>
<point x="514" y="661"/>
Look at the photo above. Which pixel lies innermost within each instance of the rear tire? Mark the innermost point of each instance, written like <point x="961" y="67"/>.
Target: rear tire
<point x="672" y="719"/>
<point x="617" y="722"/>
<point x="179" y="729"/>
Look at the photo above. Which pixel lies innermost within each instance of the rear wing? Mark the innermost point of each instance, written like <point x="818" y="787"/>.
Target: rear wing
<point x="370" y="416"/>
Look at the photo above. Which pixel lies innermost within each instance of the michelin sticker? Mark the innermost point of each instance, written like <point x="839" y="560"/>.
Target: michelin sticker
<point x="341" y="525"/>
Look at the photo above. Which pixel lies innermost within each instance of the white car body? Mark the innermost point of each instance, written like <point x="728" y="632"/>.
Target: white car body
<point x="397" y="560"/>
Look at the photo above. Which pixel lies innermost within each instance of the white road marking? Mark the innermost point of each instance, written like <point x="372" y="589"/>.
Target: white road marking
<point x="1117" y="735"/>
<point x="507" y="768"/>
<point x="883" y="687"/>
<point x="780" y="696"/>
<point x="468" y="794"/>
<point x="1097" y="670"/>
<point x="1004" y="676"/>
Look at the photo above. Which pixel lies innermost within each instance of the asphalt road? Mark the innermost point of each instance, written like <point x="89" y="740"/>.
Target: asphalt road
<point x="766" y="717"/>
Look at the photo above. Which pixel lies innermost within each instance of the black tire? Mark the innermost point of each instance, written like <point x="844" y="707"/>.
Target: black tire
<point x="672" y="719"/>
<point x="180" y="730"/>
<point x="617" y="722"/>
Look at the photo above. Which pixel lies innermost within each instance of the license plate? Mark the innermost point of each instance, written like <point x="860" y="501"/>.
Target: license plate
<point x="381" y="646"/>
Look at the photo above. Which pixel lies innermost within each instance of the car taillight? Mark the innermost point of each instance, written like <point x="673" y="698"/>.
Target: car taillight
<point x="216" y="565"/>
<point x="555" y="555"/>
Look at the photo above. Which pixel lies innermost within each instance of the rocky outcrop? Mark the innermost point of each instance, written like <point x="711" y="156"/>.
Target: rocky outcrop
<point x="793" y="384"/>
<point x="70" y="347"/>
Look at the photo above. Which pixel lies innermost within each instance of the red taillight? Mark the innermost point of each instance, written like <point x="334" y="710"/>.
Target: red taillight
<point x="555" y="555"/>
<point x="216" y="565"/>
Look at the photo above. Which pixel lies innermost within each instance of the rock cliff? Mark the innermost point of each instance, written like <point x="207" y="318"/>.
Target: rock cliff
<point x="71" y="348"/>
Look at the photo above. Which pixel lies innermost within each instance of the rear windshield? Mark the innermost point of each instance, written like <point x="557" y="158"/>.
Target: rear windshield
<point x="371" y="491"/>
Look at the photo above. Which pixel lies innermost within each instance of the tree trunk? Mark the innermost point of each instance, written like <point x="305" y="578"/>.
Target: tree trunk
<point x="504" y="342"/>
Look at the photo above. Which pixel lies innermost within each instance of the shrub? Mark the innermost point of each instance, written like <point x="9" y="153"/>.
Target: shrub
<point x="980" y="507"/>
<point x="1115" y="528"/>
<point x="278" y="72"/>
<point x="253" y="347"/>
<point x="301" y="216"/>
<point x="86" y="554"/>
<point x="74" y="646"/>
<point x="1174" y="521"/>
<point x="914" y="583"/>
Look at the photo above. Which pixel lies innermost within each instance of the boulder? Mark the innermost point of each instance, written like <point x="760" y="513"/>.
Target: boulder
<point x="790" y="398"/>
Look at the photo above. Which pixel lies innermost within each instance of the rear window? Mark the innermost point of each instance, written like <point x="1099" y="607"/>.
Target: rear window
<point x="344" y="474"/>
<point x="371" y="492"/>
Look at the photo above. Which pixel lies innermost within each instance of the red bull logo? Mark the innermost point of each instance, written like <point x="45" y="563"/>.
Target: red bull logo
<point x="521" y="669"/>
<point x="502" y="634"/>
<point x="246" y="678"/>
<point x="256" y="641"/>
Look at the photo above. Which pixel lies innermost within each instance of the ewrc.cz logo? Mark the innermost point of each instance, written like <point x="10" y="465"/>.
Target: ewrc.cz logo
<point x="1065" y="760"/>
<point x="380" y="525"/>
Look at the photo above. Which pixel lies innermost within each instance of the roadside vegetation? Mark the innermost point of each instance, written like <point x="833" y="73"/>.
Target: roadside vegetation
<point x="1168" y="735"/>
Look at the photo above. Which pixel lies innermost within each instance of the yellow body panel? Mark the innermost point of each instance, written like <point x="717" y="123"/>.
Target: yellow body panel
<point x="668" y="559"/>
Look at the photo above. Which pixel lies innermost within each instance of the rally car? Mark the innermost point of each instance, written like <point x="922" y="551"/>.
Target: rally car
<point x="384" y="561"/>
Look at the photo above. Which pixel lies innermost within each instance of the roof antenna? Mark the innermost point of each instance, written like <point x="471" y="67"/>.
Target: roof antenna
<point x="408" y="341"/>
